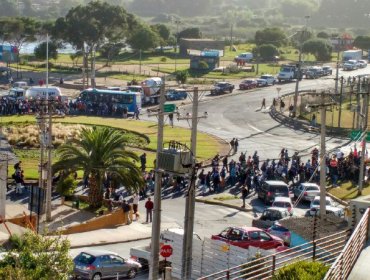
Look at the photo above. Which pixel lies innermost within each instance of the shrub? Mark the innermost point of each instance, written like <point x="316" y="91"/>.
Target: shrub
<point x="302" y="270"/>
<point x="66" y="186"/>
<point x="163" y="59"/>
<point x="182" y="76"/>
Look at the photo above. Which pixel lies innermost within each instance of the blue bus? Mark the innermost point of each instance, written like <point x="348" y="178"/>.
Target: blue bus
<point x="110" y="102"/>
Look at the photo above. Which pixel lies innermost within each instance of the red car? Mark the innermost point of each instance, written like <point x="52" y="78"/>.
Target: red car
<point x="248" y="84"/>
<point x="249" y="236"/>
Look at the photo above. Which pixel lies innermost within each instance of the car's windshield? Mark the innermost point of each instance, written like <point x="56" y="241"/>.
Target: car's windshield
<point x="280" y="189"/>
<point x="272" y="215"/>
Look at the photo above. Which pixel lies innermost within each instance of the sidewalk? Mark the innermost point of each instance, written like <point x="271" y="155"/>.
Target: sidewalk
<point x="126" y="233"/>
<point x="361" y="269"/>
<point x="225" y="200"/>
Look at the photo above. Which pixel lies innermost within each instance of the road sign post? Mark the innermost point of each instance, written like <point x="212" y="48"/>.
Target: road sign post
<point x="166" y="251"/>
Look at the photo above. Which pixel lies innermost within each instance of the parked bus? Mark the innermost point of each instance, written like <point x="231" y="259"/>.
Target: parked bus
<point x="115" y="100"/>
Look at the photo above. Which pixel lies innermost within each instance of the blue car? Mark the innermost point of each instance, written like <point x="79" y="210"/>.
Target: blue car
<point x="176" y="94"/>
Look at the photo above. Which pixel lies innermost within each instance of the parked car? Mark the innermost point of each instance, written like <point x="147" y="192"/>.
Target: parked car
<point x="331" y="210"/>
<point x="270" y="216"/>
<point x="248" y="84"/>
<point x="314" y="72"/>
<point x="315" y="204"/>
<point x="222" y="87"/>
<point x="327" y="70"/>
<point x="307" y="191"/>
<point x="249" y="236"/>
<point x="266" y="80"/>
<point x="284" y="202"/>
<point x="362" y="63"/>
<point x="278" y="230"/>
<point x="270" y="189"/>
<point x="99" y="264"/>
<point x="350" y="65"/>
<point x="176" y="94"/>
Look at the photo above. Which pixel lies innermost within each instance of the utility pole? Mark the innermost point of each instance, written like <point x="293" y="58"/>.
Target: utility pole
<point x="358" y="103"/>
<point x="187" y="248"/>
<point x="337" y="72"/>
<point x="177" y="42"/>
<point x="231" y="35"/>
<point x="3" y="183"/>
<point x="140" y="61"/>
<point x="297" y="81"/>
<point x="156" y="226"/>
<point x="364" y="131"/>
<point x="323" y="159"/>
<point x="340" y="99"/>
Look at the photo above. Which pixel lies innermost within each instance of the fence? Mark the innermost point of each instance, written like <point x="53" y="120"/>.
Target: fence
<point x="347" y="258"/>
<point x="325" y="249"/>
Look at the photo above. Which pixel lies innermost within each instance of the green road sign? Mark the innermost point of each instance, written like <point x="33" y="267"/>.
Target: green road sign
<point x="169" y="108"/>
<point x="356" y="134"/>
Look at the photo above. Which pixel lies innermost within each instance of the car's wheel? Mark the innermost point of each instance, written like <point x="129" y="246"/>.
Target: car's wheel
<point x="96" y="276"/>
<point x="231" y="90"/>
<point x="132" y="273"/>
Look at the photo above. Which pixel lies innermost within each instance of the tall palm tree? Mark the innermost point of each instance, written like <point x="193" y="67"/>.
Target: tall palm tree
<point x="97" y="151"/>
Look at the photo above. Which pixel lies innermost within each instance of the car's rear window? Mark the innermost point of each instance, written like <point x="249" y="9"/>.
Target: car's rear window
<point x="279" y="189"/>
<point x="312" y="189"/>
<point x="279" y="228"/>
<point x="281" y="204"/>
<point x="85" y="258"/>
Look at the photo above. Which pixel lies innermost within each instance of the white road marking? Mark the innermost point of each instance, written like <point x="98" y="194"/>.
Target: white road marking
<point x="258" y="130"/>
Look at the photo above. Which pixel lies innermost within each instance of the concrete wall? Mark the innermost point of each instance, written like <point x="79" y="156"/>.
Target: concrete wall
<point x="109" y="220"/>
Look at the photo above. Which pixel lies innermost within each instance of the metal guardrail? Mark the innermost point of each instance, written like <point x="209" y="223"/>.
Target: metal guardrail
<point x="347" y="258"/>
<point x="325" y="250"/>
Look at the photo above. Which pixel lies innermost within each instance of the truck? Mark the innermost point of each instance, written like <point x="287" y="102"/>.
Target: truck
<point x="171" y="236"/>
<point x="352" y="55"/>
<point x="150" y="90"/>
<point x="288" y="73"/>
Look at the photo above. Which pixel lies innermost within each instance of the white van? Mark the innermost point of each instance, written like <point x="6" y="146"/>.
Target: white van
<point x="20" y="84"/>
<point x="43" y="92"/>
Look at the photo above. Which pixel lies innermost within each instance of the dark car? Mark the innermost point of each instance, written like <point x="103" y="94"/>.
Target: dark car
<point x="270" y="216"/>
<point x="271" y="189"/>
<point x="176" y="94"/>
<point x="222" y="87"/>
<point x="101" y="264"/>
<point x="248" y="84"/>
<point x="327" y="70"/>
<point x="248" y="236"/>
<point x="314" y="72"/>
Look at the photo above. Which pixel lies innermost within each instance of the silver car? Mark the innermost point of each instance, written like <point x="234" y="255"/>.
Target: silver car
<point x="102" y="264"/>
<point x="307" y="191"/>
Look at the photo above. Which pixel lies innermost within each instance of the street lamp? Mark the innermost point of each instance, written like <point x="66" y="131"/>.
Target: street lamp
<point x="177" y="41"/>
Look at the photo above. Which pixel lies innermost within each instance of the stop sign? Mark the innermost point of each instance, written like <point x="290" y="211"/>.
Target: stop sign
<point x="166" y="251"/>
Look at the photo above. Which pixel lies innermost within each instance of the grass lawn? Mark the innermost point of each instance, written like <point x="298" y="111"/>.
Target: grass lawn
<point x="348" y="191"/>
<point x="207" y="147"/>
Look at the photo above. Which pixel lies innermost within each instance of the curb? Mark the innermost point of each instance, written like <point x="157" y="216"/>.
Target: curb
<point x="110" y="242"/>
<point x="214" y="202"/>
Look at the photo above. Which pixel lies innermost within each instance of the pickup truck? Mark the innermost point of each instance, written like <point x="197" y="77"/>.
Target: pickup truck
<point x="172" y="236"/>
<point x="350" y="65"/>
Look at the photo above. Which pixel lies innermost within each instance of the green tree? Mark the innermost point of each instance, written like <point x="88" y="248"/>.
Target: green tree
<point x="302" y="270"/>
<point x="193" y="33"/>
<point x="266" y="51"/>
<point x="320" y="48"/>
<point x="37" y="257"/>
<point x="274" y="36"/>
<point x="163" y="32"/>
<point x="89" y="27"/>
<point x="362" y="42"/>
<point x="40" y="50"/>
<point x="323" y="35"/>
<point x="143" y="38"/>
<point x="97" y="151"/>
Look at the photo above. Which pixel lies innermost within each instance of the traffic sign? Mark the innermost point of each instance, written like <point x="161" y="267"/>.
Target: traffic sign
<point x="356" y="135"/>
<point x="169" y="108"/>
<point x="166" y="251"/>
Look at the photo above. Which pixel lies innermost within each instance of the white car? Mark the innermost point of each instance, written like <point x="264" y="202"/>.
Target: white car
<point x="266" y="80"/>
<point x="362" y="63"/>
<point x="284" y="202"/>
<point x="332" y="210"/>
<point x="244" y="57"/>
<point x="315" y="204"/>
<point x="350" y="65"/>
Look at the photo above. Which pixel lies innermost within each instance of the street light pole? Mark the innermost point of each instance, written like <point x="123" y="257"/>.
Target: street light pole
<point x="177" y="41"/>
<point x="156" y="226"/>
<point x="363" y="150"/>
<point x="323" y="160"/>
<point x="49" y="138"/>
<point x="187" y="249"/>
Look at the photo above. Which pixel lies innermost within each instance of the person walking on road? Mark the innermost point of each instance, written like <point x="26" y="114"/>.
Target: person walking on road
<point x="263" y="105"/>
<point x="236" y="144"/>
<point x="244" y="195"/>
<point x="149" y="210"/>
<point x="135" y="205"/>
<point x="232" y="144"/>
<point x="170" y="117"/>
<point x="282" y="105"/>
<point x="126" y="211"/>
